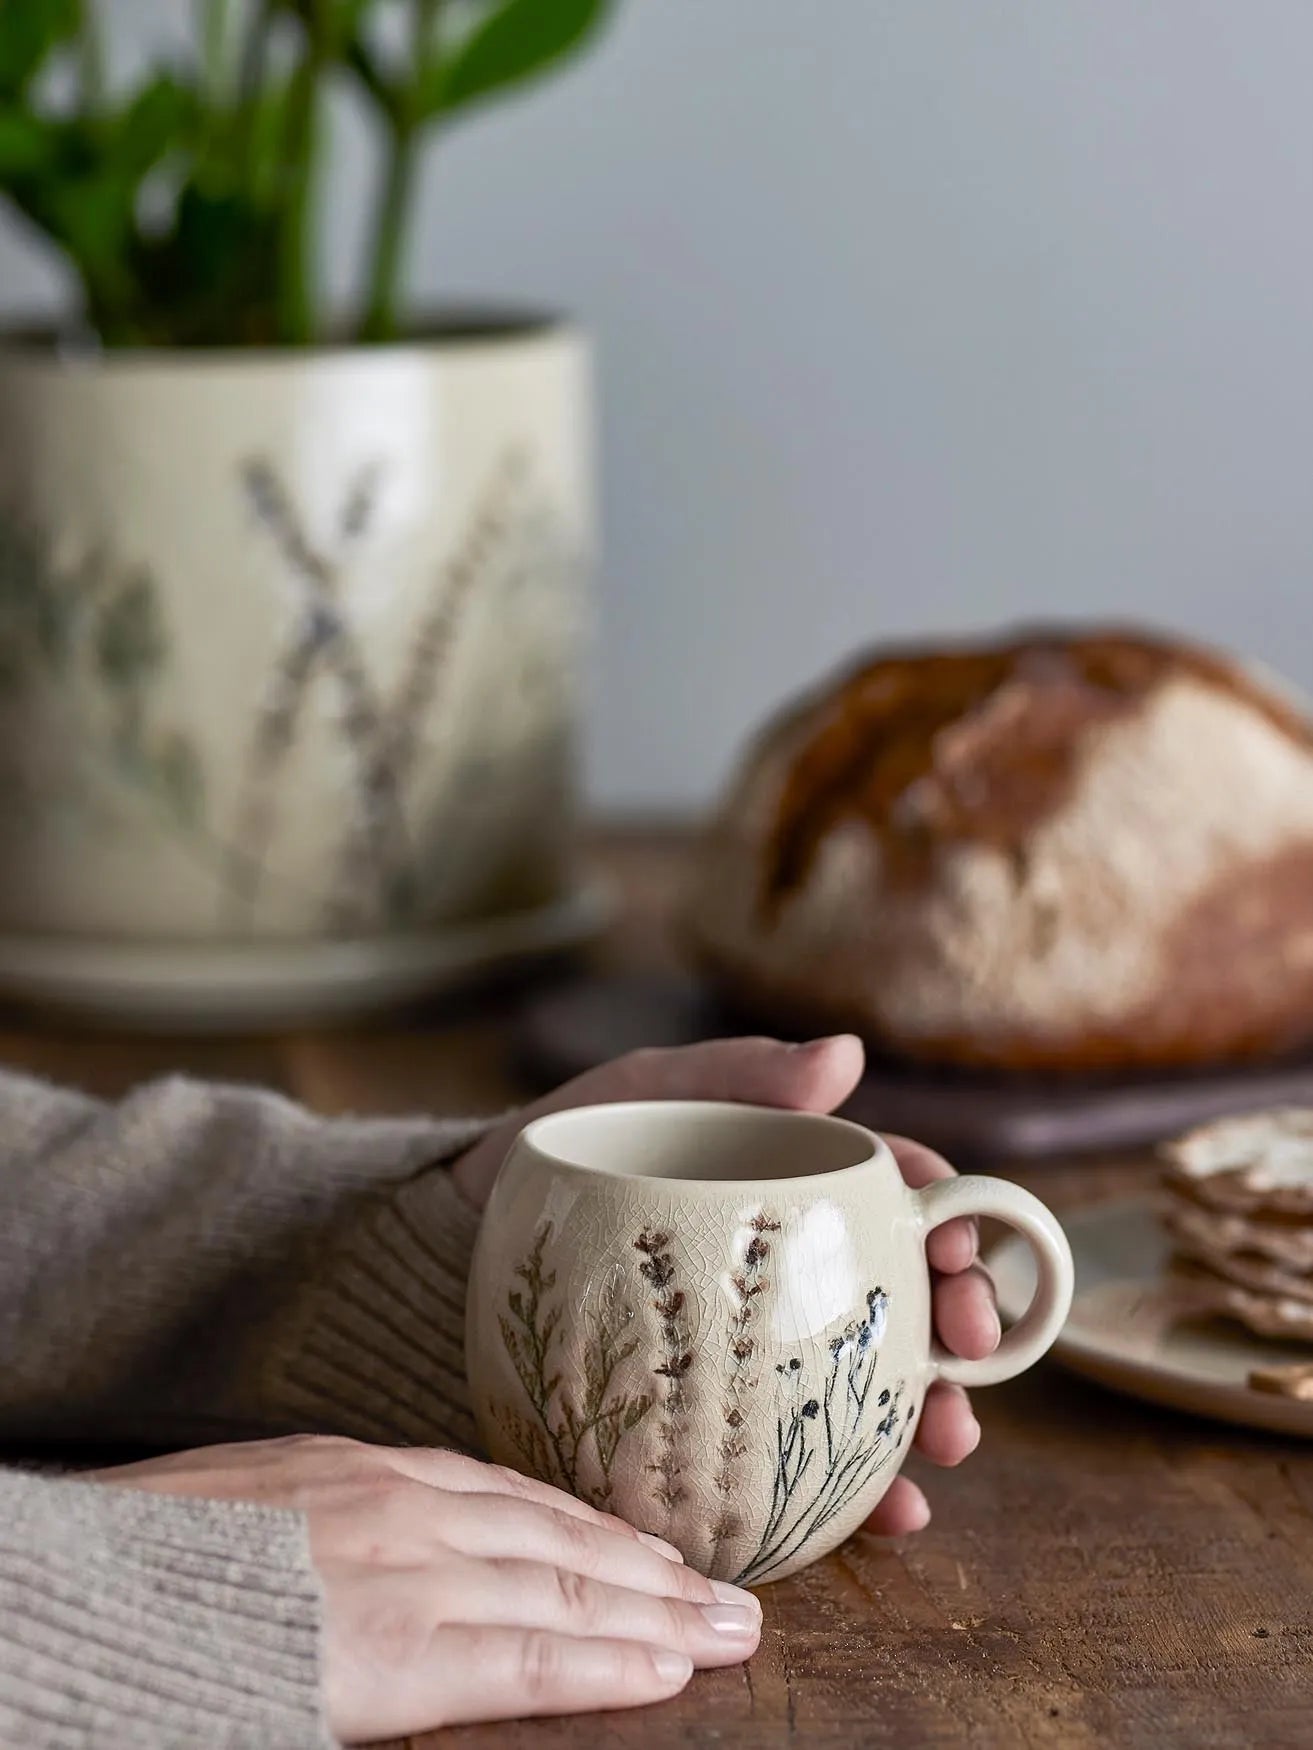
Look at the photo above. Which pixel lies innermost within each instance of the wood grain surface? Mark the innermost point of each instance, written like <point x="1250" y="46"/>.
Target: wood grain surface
<point x="1100" y="1573"/>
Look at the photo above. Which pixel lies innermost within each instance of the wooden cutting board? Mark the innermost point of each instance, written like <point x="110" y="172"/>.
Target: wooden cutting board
<point x="974" y="1118"/>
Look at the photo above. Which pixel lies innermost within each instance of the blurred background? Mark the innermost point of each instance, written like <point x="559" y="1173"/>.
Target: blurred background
<point x="911" y="318"/>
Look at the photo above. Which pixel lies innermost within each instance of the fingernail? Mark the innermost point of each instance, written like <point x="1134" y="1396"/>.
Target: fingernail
<point x="975" y="1435"/>
<point x="736" y="1595"/>
<point x="731" y="1619"/>
<point x="995" y="1330"/>
<point x="672" y="1667"/>
<point x="922" y="1516"/>
<point x="821" y="1044"/>
<point x="660" y="1545"/>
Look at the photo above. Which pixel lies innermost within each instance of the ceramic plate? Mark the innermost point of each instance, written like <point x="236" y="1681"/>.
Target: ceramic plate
<point x="1126" y="1328"/>
<point x="216" y="987"/>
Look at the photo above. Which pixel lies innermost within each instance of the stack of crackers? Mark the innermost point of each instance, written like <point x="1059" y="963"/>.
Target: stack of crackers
<point x="1239" y="1208"/>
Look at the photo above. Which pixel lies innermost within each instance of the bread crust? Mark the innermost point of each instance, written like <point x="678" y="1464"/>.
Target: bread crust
<point x="1077" y="852"/>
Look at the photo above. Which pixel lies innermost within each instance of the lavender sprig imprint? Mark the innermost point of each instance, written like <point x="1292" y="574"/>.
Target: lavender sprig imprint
<point x="320" y="638"/>
<point x="556" y="1438"/>
<point x="658" y="1269"/>
<point x="748" y="1283"/>
<point x="826" y="1450"/>
<point x="435" y="637"/>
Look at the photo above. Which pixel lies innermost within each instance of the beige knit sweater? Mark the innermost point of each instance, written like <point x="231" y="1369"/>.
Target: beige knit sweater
<point x="192" y="1265"/>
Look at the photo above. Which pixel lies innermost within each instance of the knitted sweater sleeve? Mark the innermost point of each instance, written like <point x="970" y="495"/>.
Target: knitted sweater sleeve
<point x="198" y="1264"/>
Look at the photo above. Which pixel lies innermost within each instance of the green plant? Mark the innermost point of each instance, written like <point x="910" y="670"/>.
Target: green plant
<point x="188" y="204"/>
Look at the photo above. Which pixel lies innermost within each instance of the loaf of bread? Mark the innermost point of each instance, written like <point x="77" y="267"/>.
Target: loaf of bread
<point x="1083" y="851"/>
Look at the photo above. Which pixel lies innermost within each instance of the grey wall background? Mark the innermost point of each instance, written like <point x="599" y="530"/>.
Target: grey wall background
<point x="912" y="316"/>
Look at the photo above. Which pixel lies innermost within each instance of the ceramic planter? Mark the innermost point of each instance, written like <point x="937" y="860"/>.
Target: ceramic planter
<point x="288" y="641"/>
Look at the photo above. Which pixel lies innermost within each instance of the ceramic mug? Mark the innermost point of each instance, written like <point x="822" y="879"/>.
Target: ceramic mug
<point x="714" y="1320"/>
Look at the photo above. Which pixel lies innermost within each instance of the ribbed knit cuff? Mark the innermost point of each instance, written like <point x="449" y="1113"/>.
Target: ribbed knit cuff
<point x="381" y="1351"/>
<point x="143" y="1619"/>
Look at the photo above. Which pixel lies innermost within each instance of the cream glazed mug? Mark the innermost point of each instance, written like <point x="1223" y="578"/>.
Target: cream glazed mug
<point x="714" y="1320"/>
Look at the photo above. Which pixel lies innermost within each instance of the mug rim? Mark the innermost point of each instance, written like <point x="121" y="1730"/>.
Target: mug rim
<point x="877" y="1149"/>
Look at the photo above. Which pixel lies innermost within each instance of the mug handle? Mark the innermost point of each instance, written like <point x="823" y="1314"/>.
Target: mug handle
<point x="1039" y="1325"/>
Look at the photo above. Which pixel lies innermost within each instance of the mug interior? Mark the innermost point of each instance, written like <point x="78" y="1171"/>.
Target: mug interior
<point x="705" y="1142"/>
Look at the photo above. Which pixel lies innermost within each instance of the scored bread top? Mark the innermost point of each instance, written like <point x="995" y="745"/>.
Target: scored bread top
<point x="1080" y="850"/>
<point x="978" y="745"/>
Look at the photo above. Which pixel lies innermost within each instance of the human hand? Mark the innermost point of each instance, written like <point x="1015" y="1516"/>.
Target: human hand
<point x="456" y="1591"/>
<point x="817" y="1077"/>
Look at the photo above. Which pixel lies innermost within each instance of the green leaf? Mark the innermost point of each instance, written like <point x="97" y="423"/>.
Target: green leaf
<point x="157" y="121"/>
<point x="27" y="143"/>
<point x="518" y="41"/>
<point x="29" y="31"/>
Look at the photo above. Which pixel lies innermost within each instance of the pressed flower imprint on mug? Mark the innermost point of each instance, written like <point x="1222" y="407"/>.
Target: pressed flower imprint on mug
<point x="568" y="1434"/>
<point x="675" y="1338"/>
<point x="748" y="1283"/>
<point x="828" y="1444"/>
<point x="831" y="1437"/>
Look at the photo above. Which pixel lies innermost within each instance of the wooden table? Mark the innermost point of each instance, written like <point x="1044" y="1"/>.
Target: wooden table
<point x="1099" y="1574"/>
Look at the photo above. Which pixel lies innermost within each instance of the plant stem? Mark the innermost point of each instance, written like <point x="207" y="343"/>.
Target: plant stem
<point x="380" y="322"/>
<point x="388" y="256"/>
<point x="251" y="63"/>
<point x="296" y="314"/>
<point x="91" y="59"/>
<point x="215" y="60"/>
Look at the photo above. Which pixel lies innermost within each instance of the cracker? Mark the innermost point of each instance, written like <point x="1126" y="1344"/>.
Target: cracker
<point x="1286" y="1241"/>
<point x="1246" y="1269"/>
<point x="1265" y="1315"/>
<point x="1295" y="1381"/>
<point x="1260" y="1162"/>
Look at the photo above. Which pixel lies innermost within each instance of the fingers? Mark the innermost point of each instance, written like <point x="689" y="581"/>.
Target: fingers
<point x="966" y="1317"/>
<point x="948" y="1430"/>
<point x="508" y="1673"/>
<point x="814" y="1077"/>
<point x="534" y="1595"/>
<point x="902" y="1510"/>
<point x="499" y="1526"/>
<point x="953" y="1246"/>
<point x="463" y="1475"/>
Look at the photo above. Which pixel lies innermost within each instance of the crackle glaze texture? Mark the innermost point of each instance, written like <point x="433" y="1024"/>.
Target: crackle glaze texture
<point x="714" y="1321"/>
<point x="737" y="1369"/>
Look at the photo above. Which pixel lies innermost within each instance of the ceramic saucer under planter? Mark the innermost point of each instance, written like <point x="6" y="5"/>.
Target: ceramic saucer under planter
<point x="1126" y="1328"/>
<point x="216" y="987"/>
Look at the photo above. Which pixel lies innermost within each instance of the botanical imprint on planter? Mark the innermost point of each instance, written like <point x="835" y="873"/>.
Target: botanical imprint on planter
<point x="376" y="873"/>
<point x="83" y="650"/>
<point x="86" y="656"/>
<point x="832" y="1436"/>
